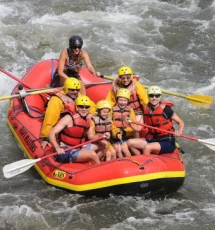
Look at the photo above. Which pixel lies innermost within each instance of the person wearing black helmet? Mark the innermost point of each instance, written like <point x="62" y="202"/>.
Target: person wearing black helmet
<point x="70" y="62"/>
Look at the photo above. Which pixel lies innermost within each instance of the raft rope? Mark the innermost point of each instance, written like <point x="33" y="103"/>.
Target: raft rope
<point x="127" y="151"/>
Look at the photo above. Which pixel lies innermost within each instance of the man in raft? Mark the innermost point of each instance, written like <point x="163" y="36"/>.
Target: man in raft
<point x="138" y="97"/>
<point x="59" y="104"/>
<point x="159" y="115"/>
<point x="71" y="131"/>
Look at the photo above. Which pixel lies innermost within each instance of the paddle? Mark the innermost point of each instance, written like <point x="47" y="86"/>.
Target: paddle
<point x="195" y="99"/>
<point x="210" y="143"/>
<point x="20" y="81"/>
<point x="21" y="166"/>
<point x="25" y="93"/>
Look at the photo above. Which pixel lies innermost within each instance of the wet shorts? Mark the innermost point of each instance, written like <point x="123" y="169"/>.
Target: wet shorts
<point x="167" y="146"/>
<point x="70" y="155"/>
<point x="115" y="141"/>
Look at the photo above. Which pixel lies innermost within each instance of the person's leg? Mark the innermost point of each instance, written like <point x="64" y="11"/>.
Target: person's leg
<point x="136" y="145"/>
<point x="138" y="119"/>
<point x="125" y="150"/>
<point x="113" y="153"/>
<point x="153" y="147"/>
<point x="108" y="155"/>
<point x="88" y="155"/>
<point x="118" y="149"/>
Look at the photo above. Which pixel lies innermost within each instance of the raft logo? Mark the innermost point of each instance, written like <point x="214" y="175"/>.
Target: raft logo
<point x="59" y="174"/>
<point x="30" y="143"/>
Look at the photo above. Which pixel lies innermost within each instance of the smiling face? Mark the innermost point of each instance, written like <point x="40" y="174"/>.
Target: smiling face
<point x="154" y="99"/>
<point x="122" y="102"/>
<point x="125" y="79"/>
<point x="104" y="113"/>
<point x="73" y="93"/>
<point x="76" y="49"/>
<point x="83" y="110"/>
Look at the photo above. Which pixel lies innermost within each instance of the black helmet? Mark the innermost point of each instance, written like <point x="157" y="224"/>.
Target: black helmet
<point x="74" y="41"/>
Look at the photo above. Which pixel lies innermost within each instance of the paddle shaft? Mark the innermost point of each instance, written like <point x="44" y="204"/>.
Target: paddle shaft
<point x="196" y="98"/>
<point x="20" y="81"/>
<point x="30" y="93"/>
<point x="21" y="166"/>
<point x="74" y="147"/>
<point x="162" y="130"/>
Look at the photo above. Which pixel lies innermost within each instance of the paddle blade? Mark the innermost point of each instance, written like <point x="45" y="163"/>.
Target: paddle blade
<point x="210" y="143"/>
<point x="200" y="100"/>
<point x="18" y="167"/>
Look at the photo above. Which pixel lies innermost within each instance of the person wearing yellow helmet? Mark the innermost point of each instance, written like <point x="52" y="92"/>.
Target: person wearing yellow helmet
<point x="121" y="111"/>
<point x="59" y="104"/>
<point x="70" y="63"/>
<point x="126" y="79"/>
<point x="73" y="130"/>
<point x="157" y="114"/>
<point x="103" y="124"/>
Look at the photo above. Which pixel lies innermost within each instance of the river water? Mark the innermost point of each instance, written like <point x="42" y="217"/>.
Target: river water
<point x="169" y="43"/>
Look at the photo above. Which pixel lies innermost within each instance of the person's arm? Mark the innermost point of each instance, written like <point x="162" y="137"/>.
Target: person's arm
<point x="61" y="64"/>
<point x="52" y="115"/>
<point x="135" y="127"/>
<point x="142" y="94"/>
<point x="88" y="63"/>
<point x="91" y="133"/>
<point x="180" y="123"/>
<point x="59" y="127"/>
<point x="129" y="131"/>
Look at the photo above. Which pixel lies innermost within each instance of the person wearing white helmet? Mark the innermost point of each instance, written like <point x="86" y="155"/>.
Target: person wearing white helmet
<point x="159" y="115"/>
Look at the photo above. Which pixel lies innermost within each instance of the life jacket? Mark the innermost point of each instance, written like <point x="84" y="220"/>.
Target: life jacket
<point x="119" y="115"/>
<point x="157" y="118"/>
<point x="102" y="126"/>
<point x="134" y="101"/>
<point x="76" y="134"/>
<point x="69" y="104"/>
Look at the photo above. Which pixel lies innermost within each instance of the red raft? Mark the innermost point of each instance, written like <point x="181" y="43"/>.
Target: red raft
<point x="146" y="174"/>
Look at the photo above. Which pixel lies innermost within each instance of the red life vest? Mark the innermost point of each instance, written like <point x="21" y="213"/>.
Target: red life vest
<point x="157" y="118"/>
<point x="134" y="101"/>
<point x="69" y="104"/>
<point x="102" y="126"/>
<point x="119" y="115"/>
<point x="76" y="134"/>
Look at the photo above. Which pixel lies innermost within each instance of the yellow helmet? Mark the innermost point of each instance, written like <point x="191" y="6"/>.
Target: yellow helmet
<point x="124" y="70"/>
<point x="123" y="93"/>
<point x="71" y="83"/>
<point x="103" y="104"/>
<point x="83" y="100"/>
<point x="154" y="90"/>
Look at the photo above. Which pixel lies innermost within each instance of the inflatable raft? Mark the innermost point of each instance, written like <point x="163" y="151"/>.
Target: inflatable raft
<point x="146" y="174"/>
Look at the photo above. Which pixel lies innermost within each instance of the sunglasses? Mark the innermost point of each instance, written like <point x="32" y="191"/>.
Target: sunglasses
<point x="125" y="78"/>
<point x="76" y="47"/>
<point x="73" y="90"/>
<point x="83" y="106"/>
<point x="154" y="95"/>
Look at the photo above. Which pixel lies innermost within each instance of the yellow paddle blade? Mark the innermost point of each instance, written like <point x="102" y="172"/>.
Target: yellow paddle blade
<point x="200" y="100"/>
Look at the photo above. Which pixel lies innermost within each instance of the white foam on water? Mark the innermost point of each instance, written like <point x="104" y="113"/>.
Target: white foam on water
<point x="22" y="217"/>
<point x="6" y="10"/>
